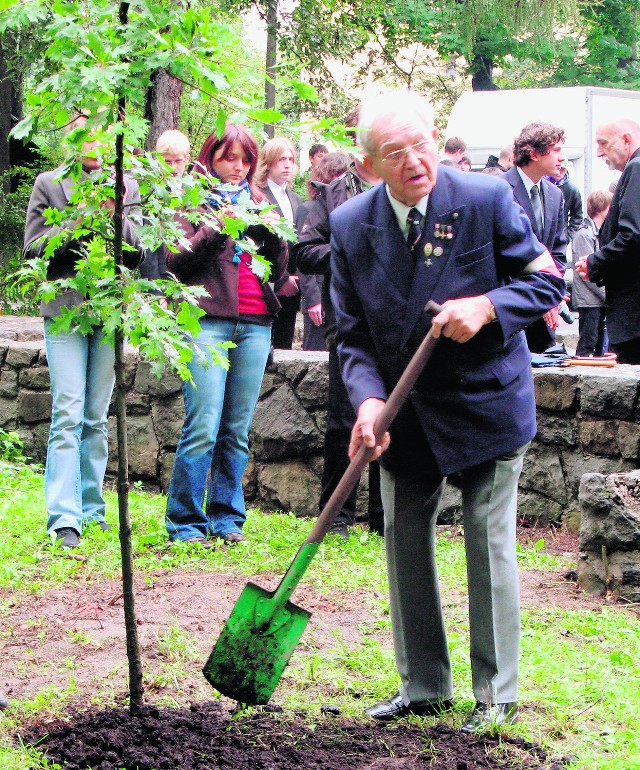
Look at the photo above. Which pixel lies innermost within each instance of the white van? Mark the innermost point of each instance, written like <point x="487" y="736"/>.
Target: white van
<point x="490" y="120"/>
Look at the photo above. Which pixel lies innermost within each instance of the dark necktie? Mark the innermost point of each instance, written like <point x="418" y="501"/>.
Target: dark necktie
<point x="537" y="208"/>
<point x="414" y="219"/>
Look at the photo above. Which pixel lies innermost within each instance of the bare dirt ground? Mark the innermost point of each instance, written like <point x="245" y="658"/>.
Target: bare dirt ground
<point x="78" y="634"/>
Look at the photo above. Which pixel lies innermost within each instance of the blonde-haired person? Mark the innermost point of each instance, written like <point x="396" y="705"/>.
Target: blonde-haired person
<point x="276" y="170"/>
<point x="175" y="148"/>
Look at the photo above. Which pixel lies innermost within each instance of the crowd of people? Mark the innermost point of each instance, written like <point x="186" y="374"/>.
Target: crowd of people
<point x="382" y="231"/>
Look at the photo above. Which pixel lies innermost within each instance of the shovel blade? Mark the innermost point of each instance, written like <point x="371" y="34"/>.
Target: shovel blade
<point x="249" y="657"/>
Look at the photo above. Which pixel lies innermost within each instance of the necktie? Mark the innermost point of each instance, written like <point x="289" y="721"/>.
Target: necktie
<point x="537" y="208"/>
<point x="415" y="228"/>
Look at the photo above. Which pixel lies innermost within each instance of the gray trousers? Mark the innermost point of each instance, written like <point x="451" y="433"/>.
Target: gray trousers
<point x="489" y="499"/>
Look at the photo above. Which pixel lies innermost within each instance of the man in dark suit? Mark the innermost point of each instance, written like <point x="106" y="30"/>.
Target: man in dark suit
<point x="615" y="264"/>
<point x="275" y="173"/>
<point x="538" y="153"/>
<point x="431" y="233"/>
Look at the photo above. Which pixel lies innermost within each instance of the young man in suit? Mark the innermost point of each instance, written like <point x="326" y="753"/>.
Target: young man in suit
<point x="431" y="233"/>
<point x="615" y="264"/>
<point x="538" y="153"/>
<point x="276" y="169"/>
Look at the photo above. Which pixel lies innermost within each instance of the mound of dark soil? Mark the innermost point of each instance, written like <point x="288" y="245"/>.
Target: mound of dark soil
<point x="205" y="737"/>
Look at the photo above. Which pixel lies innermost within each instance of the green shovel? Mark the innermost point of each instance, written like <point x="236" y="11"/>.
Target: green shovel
<point x="264" y="626"/>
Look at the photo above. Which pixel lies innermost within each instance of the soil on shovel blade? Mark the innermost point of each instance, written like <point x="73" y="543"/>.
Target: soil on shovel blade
<point x="205" y="737"/>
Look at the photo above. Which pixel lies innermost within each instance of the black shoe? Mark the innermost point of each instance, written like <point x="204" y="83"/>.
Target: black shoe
<point x="234" y="537"/>
<point x="3" y="701"/>
<point x="396" y="707"/>
<point x="340" y="529"/>
<point x="104" y="526"/>
<point x="487" y="716"/>
<point x="67" y="537"/>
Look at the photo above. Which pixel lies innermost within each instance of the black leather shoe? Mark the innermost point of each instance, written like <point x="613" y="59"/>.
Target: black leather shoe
<point x="485" y="717"/>
<point x="66" y="537"/>
<point x="396" y="707"/>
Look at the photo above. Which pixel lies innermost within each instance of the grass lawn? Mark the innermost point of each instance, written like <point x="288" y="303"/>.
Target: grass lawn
<point x="580" y="673"/>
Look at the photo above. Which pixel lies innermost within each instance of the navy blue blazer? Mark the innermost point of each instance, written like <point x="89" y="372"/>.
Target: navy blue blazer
<point x="474" y="401"/>
<point x="554" y="235"/>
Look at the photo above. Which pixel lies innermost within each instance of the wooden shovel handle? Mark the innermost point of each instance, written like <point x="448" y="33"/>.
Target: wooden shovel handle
<point x="398" y="396"/>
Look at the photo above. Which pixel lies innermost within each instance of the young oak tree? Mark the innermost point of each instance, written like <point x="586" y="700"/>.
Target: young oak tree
<point x="101" y="56"/>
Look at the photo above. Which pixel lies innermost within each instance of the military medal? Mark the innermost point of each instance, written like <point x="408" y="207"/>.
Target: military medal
<point x="428" y="248"/>
<point x="438" y="251"/>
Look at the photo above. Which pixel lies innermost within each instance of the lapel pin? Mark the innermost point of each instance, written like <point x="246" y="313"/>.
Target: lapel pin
<point x="428" y="248"/>
<point x="455" y="215"/>
<point x="428" y="263"/>
<point x="438" y="251"/>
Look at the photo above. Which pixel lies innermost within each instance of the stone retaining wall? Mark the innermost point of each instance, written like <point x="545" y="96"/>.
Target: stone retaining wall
<point x="588" y="422"/>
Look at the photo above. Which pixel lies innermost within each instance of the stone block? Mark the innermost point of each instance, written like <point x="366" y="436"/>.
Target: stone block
<point x="556" y="391"/>
<point x="290" y="367"/>
<point x="168" y="417"/>
<point x="610" y="512"/>
<point x="557" y="429"/>
<point x="34" y="406"/>
<point x="629" y="440"/>
<point x="165" y="467"/>
<point x="137" y="403"/>
<point x="142" y="446"/>
<point x="8" y="413"/>
<point x="538" y="510"/>
<point x="270" y="382"/>
<point x="35" y="378"/>
<point x="611" y="395"/>
<point x="283" y="429"/>
<point x="147" y="382"/>
<point x="3" y="352"/>
<point x="576" y="464"/>
<point x="34" y="439"/>
<point x="313" y="389"/>
<point x="542" y="473"/>
<point x="450" y="510"/>
<point x="23" y="354"/>
<point x="8" y="382"/>
<point x="599" y="437"/>
<point x="289" y="486"/>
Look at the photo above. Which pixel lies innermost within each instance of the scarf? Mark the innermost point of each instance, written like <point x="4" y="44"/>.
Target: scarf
<point x="225" y="194"/>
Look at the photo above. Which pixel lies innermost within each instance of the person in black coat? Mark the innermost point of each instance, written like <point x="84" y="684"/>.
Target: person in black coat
<point x="615" y="264"/>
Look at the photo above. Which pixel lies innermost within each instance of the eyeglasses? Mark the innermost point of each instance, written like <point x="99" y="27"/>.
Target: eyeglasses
<point x="398" y="158"/>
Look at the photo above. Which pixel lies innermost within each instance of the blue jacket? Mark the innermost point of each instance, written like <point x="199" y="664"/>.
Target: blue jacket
<point x="474" y="401"/>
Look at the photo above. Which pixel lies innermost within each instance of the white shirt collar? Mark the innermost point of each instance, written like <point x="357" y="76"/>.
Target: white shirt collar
<point x="528" y="183"/>
<point x="402" y="212"/>
<point x="280" y="194"/>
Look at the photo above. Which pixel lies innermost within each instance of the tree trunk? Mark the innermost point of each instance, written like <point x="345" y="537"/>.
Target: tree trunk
<point x="482" y="74"/>
<point x="6" y="106"/>
<point x="136" y="691"/>
<point x="270" y="62"/>
<point x="162" y="107"/>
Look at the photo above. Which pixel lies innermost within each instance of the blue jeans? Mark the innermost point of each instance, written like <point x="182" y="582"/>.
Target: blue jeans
<point x="219" y="407"/>
<point x="82" y="378"/>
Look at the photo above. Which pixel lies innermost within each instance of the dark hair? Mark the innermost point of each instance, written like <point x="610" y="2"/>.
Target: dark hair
<point x="597" y="202"/>
<point x="330" y="167"/>
<point x="232" y="133"/>
<point x="455" y="144"/>
<point x="448" y="162"/>
<point x="536" y="137"/>
<point x="316" y="148"/>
